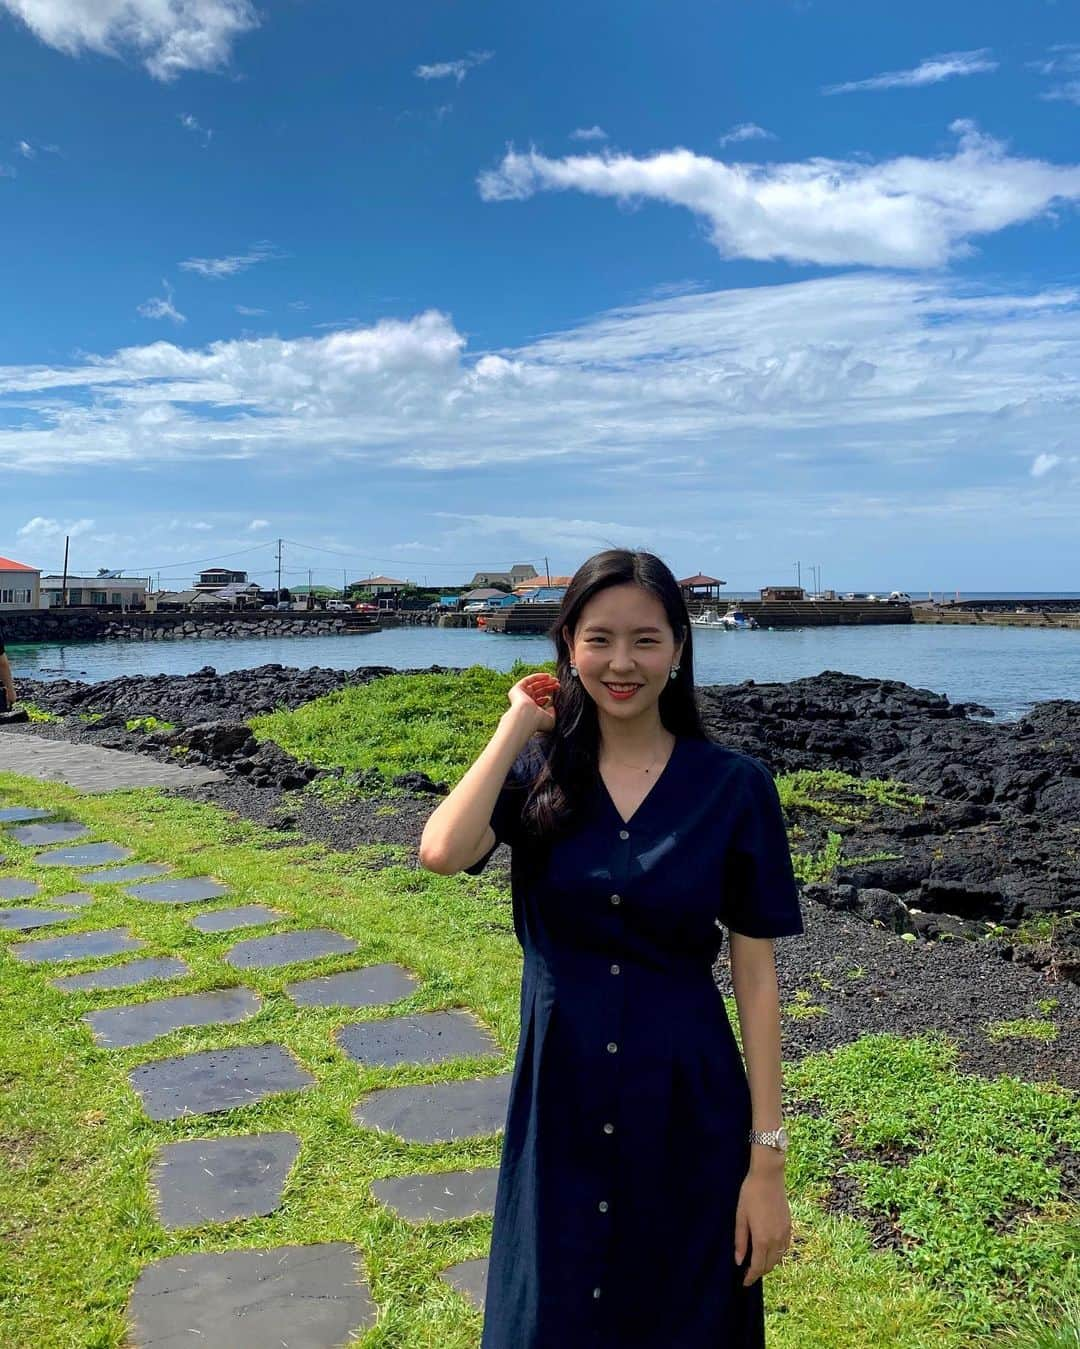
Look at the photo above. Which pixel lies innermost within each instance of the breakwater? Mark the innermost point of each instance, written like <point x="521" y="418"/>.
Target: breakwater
<point x="82" y="625"/>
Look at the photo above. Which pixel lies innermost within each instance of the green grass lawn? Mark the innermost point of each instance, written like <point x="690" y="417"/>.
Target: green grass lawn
<point x="956" y="1170"/>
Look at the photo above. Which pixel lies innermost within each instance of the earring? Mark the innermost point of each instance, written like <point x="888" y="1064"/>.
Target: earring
<point x="573" y="670"/>
<point x="674" y="672"/>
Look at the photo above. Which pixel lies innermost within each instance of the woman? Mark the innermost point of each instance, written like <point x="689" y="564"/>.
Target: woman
<point x="634" y="1206"/>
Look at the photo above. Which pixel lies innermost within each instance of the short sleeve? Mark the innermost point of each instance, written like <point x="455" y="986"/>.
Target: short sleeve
<point x="761" y="895"/>
<point x="506" y="813"/>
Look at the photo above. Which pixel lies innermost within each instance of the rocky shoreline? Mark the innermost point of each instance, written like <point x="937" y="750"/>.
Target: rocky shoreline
<point x="996" y="850"/>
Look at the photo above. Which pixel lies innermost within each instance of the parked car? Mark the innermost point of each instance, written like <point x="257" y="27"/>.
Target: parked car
<point x="339" y="606"/>
<point x="364" y="608"/>
<point x="474" y="606"/>
<point x="284" y="604"/>
<point x="899" y="597"/>
<point x="264" y="607"/>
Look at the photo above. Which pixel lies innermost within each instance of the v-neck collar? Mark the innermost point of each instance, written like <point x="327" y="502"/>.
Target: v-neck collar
<point x="648" y="795"/>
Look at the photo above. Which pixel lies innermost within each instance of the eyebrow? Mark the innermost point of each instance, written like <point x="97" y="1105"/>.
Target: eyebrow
<point x="593" y="627"/>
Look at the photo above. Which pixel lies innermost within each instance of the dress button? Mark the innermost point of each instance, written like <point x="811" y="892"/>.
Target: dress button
<point x="612" y="1047"/>
<point x="596" y="1292"/>
<point x="624" y="833"/>
<point x="609" y="1128"/>
<point x="614" y="969"/>
<point x="616" y="899"/>
<point x="602" y="1206"/>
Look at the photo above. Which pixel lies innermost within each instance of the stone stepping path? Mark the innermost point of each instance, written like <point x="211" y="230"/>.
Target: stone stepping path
<point x="441" y="1196"/>
<point x="217" y="1180"/>
<point x="470" y="1278"/>
<point x="12" y="888"/>
<point x="25" y="920"/>
<point x="430" y="1037"/>
<point x="216" y="1079"/>
<point x="138" y="1024"/>
<point x="304" y="1297"/>
<point x="91" y="768"/>
<point x="437" y="1112"/>
<point x="136" y="871"/>
<point x="20" y="814"/>
<point x="288" y="948"/>
<point x="58" y="831"/>
<point x="182" y="890"/>
<point x="77" y="897"/>
<point x="225" y="920"/>
<point x="78" y="946"/>
<point x="368" y="987"/>
<point x="83" y="855"/>
<point x="124" y="976"/>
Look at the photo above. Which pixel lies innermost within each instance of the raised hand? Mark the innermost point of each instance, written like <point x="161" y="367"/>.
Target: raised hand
<point x="534" y="697"/>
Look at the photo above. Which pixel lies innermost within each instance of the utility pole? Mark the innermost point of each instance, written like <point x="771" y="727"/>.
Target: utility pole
<point x="63" y="584"/>
<point x="547" y="572"/>
<point x="798" y="573"/>
<point x="279" y="569"/>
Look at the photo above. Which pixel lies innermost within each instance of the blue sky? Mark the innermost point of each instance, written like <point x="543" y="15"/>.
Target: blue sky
<point x="438" y="288"/>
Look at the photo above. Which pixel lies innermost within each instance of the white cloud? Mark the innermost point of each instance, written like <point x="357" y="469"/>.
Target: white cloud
<point x="589" y="133"/>
<point x="258" y="524"/>
<point x="191" y="123"/>
<point x="841" y="387"/>
<point x="161" y="306"/>
<point x="1069" y="92"/>
<point x="202" y="526"/>
<point x="248" y="310"/>
<point x="1043" y="463"/>
<point x="216" y="268"/>
<point x="42" y="529"/>
<point x="931" y="71"/>
<point x="904" y="212"/>
<point x="443" y="70"/>
<point x="745" y="131"/>
<point x="168" y="36"/>
<point x="26" y="150"/>
<point x="7" y="171"/>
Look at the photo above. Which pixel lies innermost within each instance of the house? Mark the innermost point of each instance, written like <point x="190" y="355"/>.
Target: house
<point x="122" y="592"/>
<point x="782" y="593"/>
<point x="20" y="586"/>
<point x="701" y="587"/>
<point x="519" y="572"/>
<point x="215" y="577"/>
<point x="381" y="586"/>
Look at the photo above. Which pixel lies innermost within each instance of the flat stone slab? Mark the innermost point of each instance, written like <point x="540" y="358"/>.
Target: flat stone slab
<point x="355" y="988"/>
<point x="304" y="1297"/>
<point x="83" y="855"/>
<point x="136" y="871"/>
<point x="225" y="920"/>
<point x="437" y="1112"/>
<point x="469" y="1277"/>
<point x="216" y="1180"/>
<point x="77" y="897"/>
<point x="78" y="946"/>
<point x="182" y="890"/>
<point x="288" y="948"/>
<point x="91" y="768"/>
<point x="19" y="814"/>
<point x="57" y="831"/>
<point x="13" y="888"/>
<point x="429" y="1037"/>
<point x="216" y="1079"/>
<point x="142" y="1022"/>
<point x="438" y="1197"/>
<point x="124" y="976"/>
<point x="25" y="920"/>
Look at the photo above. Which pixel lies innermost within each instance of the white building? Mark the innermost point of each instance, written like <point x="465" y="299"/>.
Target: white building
<point x="128" y="592"/>
<point x="20" y="585"/>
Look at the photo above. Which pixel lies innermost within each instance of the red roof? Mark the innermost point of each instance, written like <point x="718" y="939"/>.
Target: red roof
<point x="6" y="564"/>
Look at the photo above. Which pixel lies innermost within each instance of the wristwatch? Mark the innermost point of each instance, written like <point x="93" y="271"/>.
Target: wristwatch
<point x="773" y="1138"/>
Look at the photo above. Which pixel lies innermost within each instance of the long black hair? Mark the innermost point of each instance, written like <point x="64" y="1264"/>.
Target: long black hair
<point x="571" y="750"/>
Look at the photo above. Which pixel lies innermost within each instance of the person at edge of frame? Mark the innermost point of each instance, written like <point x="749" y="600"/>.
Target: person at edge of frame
<point x="7" y="679"/>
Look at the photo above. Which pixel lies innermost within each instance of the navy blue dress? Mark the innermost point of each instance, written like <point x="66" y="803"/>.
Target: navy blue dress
<point x="626" y="1143"/>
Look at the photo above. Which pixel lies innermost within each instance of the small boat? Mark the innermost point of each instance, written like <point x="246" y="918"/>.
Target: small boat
<point x="733" y="620"/>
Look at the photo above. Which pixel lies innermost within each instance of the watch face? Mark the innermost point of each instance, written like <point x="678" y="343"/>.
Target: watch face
<point x="781" y="1137"/>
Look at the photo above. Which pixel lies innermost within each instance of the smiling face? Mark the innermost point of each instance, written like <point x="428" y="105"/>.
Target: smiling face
<point x="624" y="638"/>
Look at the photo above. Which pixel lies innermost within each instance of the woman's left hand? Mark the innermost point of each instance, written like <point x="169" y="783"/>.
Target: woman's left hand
<point x="762" y="1219"/>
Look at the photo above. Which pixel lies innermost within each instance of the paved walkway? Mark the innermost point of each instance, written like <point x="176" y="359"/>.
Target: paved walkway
<point x="92" y="769"/>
